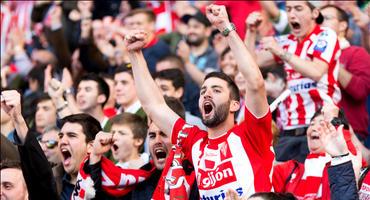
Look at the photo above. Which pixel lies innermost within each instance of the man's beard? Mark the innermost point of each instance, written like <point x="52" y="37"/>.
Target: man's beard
<point x="219" y="116"/>
<point x="195" y="42"/>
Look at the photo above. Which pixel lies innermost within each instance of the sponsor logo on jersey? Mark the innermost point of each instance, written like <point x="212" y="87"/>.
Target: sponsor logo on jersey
<point x="210" y="179"/>
<point x="302" y="86"/>
<point x="220" y="195"/>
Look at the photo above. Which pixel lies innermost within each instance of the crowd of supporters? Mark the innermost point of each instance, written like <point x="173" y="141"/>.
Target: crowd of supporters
<point x="185" y="100"/>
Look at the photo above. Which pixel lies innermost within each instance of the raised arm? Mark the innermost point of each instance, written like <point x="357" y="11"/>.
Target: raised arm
<point x="255" y="100"/>
<point x="344" y="167"/>
<point x="147" y="91"/>
<point x="263" y="58"/>
<point x="314" y="69"/>
<point x="11" y="104"/>
<point x="31" y="155"/>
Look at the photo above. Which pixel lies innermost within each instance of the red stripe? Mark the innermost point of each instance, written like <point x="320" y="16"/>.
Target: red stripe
<point x="332" y="65"/>
<point x="160" y="9"/>
<point x="287" y="104"/>
<point x="316" y="98"/>
<point x="301" y="110"/>
<point x="82" y="194"/>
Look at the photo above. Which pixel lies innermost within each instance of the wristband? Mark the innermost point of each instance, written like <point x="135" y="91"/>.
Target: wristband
<point x="341" y="156"/>
<point x="228" y="29"/>
<point x="65" y="105"/>
<point x="337" y="160"/>
<point x="68" y="91"/>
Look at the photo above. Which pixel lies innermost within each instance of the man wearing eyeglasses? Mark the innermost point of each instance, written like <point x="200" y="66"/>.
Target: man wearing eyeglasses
<point x="49" y="142"/>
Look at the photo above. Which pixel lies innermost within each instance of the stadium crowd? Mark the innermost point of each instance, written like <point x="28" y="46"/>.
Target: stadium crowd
<point x="185" y="100"/>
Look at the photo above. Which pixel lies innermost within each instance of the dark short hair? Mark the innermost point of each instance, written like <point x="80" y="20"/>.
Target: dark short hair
<point x="224" y="52"/>
<point x="41" y="98"/>
<point x="6" y="164"/>
<point x="137" y="125"/>
<point x="149" y="13"/>
<point x="124" y="68"/>
<point x="312" y="7"/>
<point x="341" y="117"/>
<point x="103" y="87"/>
<point x="106" y="76"/>
<point x="174" y="75"/>
<point x="277" y="70"/>
<point x="234" y="90"/>
<point x="274" y="196"/>
<point x="37" y="74"/>
<point x="90" y="125"/>
<point x="176" y="105"/>
<point x="178" y="62"/>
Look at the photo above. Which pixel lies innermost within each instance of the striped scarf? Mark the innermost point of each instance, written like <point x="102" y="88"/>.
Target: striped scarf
<point x="116" y="181"/>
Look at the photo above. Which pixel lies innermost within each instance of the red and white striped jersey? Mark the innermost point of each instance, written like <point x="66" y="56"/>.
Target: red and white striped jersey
<point x="308" y="95"/>
<point x="240" y="159"/>
<point x="15" y="14"/>
<point x="166" y="17"/>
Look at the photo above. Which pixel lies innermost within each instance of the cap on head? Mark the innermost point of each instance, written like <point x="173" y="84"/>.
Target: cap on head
<point x="200" y="17"/>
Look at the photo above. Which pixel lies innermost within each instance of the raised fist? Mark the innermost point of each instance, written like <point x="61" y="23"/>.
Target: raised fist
<point x="217" y="15"/>
<point x="102" y="143"/>
<point x="253" y="21"/>
<point x="11" y="103"/>
<point x="135" y="40"/>
<point x="270" y="44"/>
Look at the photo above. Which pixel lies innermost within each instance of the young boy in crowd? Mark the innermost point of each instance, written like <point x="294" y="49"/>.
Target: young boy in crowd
<point x="128" y="136"/>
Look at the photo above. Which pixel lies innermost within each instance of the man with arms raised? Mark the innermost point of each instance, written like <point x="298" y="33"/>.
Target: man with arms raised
<point x="218" y="164"/>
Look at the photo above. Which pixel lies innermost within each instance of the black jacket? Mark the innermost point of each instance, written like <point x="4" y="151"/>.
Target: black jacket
<point x="36" y="169"/>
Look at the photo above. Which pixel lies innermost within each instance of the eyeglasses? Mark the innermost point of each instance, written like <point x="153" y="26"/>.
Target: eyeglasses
<point x="50" y="144"/>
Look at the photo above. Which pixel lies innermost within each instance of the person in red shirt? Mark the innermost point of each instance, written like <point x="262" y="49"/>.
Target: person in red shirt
<point x="227" y="155"/>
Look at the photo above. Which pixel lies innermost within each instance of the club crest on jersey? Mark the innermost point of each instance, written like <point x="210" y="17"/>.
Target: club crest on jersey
<point x="321" y="45"/>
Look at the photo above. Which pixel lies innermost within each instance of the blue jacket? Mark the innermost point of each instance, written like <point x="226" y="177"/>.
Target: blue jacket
<point x="342" y="182"/>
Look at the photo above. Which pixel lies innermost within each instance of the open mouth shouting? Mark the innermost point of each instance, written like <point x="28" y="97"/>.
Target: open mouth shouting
<point x="160" y="154"/>
<point x="296" y="26"/>
<point x="315" y="136"/>
<point x="208" y="108"/>
<point x="66" y="156"/>
<point x="115" y="149"/>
